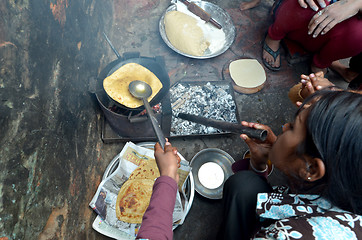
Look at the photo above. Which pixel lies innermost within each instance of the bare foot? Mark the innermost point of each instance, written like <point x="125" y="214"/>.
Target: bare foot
<point x="274" y="45"/>
<point x="347" y="73"/>
<point x="248" y="5"/>
<point x="317" y="69"/>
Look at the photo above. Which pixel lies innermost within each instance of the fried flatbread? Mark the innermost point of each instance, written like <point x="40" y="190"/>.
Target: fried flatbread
<point x="133" y="199"/>
<point x="116" y="85"/>
<point x="147" y="170"/>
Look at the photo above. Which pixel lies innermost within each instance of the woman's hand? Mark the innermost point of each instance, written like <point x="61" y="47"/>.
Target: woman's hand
<point x="327" y="18"/>
<point x="167" y="160"/>
<point x="259" y="150"/>
<point x="312" y="4"/>
<point x="313" y="83"/>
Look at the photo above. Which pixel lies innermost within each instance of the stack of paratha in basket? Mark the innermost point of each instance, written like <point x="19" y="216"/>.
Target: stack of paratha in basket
<point x="135" y="194"/>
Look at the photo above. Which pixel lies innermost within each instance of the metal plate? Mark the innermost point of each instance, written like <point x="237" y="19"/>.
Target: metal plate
<point x="189" y="185"/>
<point x="222" y="158"/>
<point x="219" y="14"/>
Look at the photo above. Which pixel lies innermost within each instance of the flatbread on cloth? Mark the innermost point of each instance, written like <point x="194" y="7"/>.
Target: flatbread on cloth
<point x="184" y="33"/>
<point x="147" y="170"/>
<point x="116" y="85"/>
<point x="133" y="199"/>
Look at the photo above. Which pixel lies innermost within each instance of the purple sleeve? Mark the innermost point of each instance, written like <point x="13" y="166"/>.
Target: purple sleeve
<point x="157" y="220"/>
<point x="244" y="164"/>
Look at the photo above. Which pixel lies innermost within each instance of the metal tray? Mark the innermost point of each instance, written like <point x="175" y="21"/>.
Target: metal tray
<point x="188" y="186"/>
<point x="219" y="14"/>
<point x="230" y="91"/>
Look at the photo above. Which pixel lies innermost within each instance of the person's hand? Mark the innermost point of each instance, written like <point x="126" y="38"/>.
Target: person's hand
<point x="313" y="4"/>
<point x="325" y="19"/>
<point x="167" y="160"/>
<point x="313" y="83"/>
<point x="259" y="150"/>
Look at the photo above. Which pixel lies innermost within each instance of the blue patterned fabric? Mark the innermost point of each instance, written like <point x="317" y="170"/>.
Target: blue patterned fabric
<point x="305" y="217"/>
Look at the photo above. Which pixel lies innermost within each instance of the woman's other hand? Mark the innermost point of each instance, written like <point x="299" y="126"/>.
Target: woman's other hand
<point x="313" y="4"/>
<point x="325" y="19"/>
<point x="167" y="160"/>
<point x="259" y="150"/>
<point x="313" y="83"/>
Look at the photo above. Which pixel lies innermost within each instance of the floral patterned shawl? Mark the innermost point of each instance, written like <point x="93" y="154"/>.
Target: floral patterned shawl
<point x="305" y="217"/>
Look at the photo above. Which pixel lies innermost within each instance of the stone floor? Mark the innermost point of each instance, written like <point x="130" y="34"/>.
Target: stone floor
<point x="52" y="155"/>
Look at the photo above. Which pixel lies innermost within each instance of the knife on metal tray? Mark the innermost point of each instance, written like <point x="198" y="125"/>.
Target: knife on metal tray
<point x="198" y="11"/>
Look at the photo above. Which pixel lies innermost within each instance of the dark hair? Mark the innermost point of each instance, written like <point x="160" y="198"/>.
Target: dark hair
<point x="334" y="134"/>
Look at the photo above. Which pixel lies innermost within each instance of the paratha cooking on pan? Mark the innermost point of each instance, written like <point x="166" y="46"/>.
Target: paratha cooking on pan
<point x="116" y="85"/>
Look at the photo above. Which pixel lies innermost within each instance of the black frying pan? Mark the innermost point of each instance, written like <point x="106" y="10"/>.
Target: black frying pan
<point x="152" y="65"/>
<point x="155" y="65"/>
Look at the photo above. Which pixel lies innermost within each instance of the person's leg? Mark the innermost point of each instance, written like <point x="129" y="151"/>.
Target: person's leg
<point x="248" y="5"/>
<point x="291" y="21"/>
<point x="347" y="73"/>
<point x="289" y="17"/>
<point x="342" y="41"/>
<point x="239" y="202"/>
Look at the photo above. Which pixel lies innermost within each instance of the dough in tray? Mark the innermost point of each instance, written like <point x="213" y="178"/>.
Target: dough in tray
<point x="184" y="33"/>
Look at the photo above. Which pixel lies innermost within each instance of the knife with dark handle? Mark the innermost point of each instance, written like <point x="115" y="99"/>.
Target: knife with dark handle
<point x="198" y="11"/>
<point x="260" y="134"/>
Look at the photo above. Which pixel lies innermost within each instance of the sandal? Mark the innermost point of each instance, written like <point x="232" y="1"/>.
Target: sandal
<point x="274" y="54"/>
